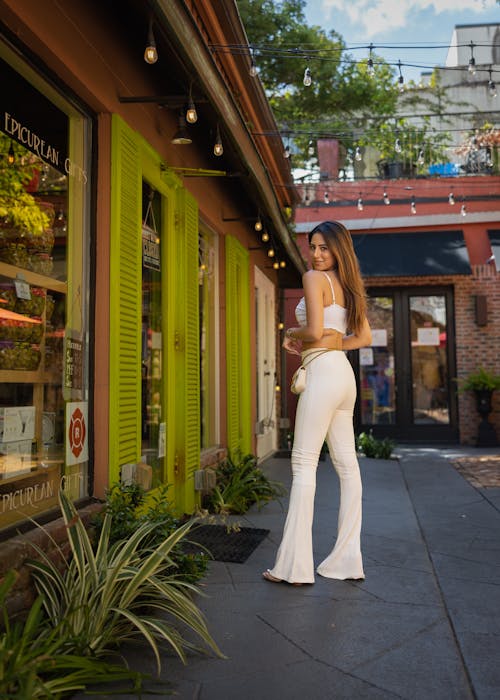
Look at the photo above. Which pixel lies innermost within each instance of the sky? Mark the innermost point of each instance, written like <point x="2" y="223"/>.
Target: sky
<point x="400" y="23"/>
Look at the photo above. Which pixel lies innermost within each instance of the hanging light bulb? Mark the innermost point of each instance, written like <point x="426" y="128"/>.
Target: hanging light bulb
<point x="191" y="113"/>
<point x="282" y="263"/>
<point x="451" y="199"/>
<point x="253" y="70"/>
<point x="307" y="78"/>
<point x="218" y="148"/>
<point x="258" y="224"/>
<point x="326" y="197"/>
<point x="307" y="200"/>
<point x="370" y="68"/>
<point x="11" y="156"/>
<point x="360" y="202"/>
<point x="463" y="210"/>
<point x="271" y="253"/>
<point x="286" y="152"/>
<point x="472" y="60"/>
<point x="420" y="159"/>
<point x="413" y="206"/>
<point x="401" y="80"/>
<point x="492" y="88"/>
<point x="265" y="236"/>
<point x="397" y="145"/>
<point x="281" y="326"/>
<point x="150" y="52"/>
<point x="276" y="265"/>
<point x="386" y="198"/>
<point x="357" y="154"/>
<point x="310" y="148"/>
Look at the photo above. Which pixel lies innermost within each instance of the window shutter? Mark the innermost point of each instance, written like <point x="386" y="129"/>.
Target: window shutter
<point x="188" y="357"/>
<point x="125" y="299"/>
<point x="238" y="349"/>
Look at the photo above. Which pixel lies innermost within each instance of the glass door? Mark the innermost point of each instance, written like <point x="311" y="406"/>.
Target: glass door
<point x="405" y="378"/>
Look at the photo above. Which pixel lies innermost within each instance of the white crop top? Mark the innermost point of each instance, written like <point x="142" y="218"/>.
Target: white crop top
<point x="334" y="316"/>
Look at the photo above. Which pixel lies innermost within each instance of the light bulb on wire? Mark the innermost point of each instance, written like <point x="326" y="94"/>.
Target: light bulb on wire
<point x="326" y="197"/>
<point x="307" y="77"/>
<point x="357" y="154"/>
<point x="451" y="199"/>
<point x="420" y="159"/>
<point x="258" y="224"/>
<point x="265" y="236"/>
<point x="191" y="114"/>
<point x="463" y="210"/>
<point x="276" y="265"/>
<point x="253" y="70"/>
<point x="386" y="198"/>
<point x="492" y="88"/>
<point x="218" y="148"/>
<point x="150" y="52"/>
<point x="310" y="148"/>
<point x="397" y="145"/>
<point x="271" y="253"/>
<point x="360" y="202"/>
<point x="286" y="152"/>
<point x="401" y="80"/>
<point x="472" y="60"/>
<point x="370" y="68"/>
<point x="413" y="206"/>
<point x="282" y="263"/>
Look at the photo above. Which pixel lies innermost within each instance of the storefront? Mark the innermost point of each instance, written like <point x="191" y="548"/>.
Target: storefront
<point x="45" y="193"/>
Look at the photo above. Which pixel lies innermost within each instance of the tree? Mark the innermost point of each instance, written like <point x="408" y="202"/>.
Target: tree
<point x="342" y="95"/>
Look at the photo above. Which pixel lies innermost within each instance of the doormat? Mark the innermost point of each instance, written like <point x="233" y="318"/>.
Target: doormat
<point x="231" y="546"/>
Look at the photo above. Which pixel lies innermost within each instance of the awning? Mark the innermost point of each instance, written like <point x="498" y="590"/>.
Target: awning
<point x="494" y="237"/>
<point x="412" y="254"/>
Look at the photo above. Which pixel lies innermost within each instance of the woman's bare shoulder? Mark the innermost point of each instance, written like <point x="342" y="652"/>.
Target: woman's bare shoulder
<point x="312" y="275"/>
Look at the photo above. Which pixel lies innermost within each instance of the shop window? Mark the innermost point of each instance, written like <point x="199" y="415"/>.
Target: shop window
<point x="44" y="198"/>
<point x="153" y="426"/>
<point x="208" y="350"/>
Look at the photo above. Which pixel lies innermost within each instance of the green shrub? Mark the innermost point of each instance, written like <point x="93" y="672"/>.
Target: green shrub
<point x="36" y="660"/>
<point x="119" y="592"/>
<point x="370" y="446"/>
<point x="240" y="485"/>
<point x="130" y="507"/>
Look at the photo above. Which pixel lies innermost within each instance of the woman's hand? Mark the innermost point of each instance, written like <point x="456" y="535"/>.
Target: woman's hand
<point x="292" y="345"/>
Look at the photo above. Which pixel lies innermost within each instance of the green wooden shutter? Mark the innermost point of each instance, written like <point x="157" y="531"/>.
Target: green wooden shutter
<point x="239" y="397"/>
<point x="187" y="361"/>
<point x="125" y="299"/>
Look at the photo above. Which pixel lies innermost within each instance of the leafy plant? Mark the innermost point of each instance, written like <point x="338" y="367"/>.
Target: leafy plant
<point x="118" y="593"/>
<point x="372" y="447"/>
<point x="36" y="661"/>
<point x="130" y="506"/>
<point x="240" y="485"/>
<point x="18" y="208"/>
<point x="480" y="380"/>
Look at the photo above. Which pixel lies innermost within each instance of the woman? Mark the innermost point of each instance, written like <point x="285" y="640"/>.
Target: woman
<point x="334" y="301"/>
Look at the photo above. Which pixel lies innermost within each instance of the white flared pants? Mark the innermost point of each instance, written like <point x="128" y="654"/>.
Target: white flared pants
<point x="324" y="411"/>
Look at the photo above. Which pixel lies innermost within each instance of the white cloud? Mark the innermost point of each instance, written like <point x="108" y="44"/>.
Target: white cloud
<point x="376" y="16"/>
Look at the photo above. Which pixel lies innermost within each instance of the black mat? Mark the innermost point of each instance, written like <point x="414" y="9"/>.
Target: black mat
<point x="223" y="545"/>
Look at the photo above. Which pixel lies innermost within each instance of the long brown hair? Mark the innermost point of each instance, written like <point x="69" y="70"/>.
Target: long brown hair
<point x="339" y="241"/>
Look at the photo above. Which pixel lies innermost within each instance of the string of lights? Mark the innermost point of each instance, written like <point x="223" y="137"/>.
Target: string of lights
<point x="339" y="55"/>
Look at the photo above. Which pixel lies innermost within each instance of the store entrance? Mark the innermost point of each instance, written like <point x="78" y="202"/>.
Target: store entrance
<point x="406" y="387"/>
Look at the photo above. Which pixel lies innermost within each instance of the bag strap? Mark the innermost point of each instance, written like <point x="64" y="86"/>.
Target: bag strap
<point x="313" y="356"/>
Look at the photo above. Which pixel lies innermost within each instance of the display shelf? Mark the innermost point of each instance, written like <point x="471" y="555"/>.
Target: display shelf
<point x="23" y="376"/>
<point x="33" y="278"/>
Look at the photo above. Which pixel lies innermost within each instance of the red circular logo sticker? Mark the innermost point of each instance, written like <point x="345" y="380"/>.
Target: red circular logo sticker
<point x="76" y="432"/>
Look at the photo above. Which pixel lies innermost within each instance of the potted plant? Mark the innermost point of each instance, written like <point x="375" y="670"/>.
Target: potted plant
<point x="483" y="383"/>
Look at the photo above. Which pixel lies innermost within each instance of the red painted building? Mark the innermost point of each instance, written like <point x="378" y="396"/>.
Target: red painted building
<point x="426" y="249"/>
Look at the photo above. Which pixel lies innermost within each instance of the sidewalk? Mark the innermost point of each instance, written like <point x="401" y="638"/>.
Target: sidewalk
<point x="425" y="624"/>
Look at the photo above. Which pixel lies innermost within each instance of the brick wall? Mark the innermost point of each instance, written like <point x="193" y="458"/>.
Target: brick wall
<point x="15" y="552"/>
<point x="475" y="345"/>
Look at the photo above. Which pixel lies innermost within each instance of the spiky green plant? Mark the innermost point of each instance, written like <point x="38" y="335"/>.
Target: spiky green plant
<point x="118" y="593"/>
<point x="240" y="485"/>
<point x="35" y="660"/>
